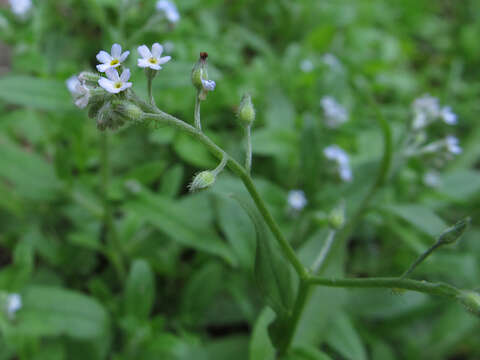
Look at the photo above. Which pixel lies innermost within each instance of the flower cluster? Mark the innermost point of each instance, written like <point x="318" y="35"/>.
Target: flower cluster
<point x="335" y="114"/>
<point x="427" y="109"/>
<point x="342" y="160"/>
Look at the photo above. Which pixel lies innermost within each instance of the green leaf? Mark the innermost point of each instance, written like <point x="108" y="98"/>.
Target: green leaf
<point x="260" y="346"/>
<point x="272" y="272"/>
<point x="238" y="230"/>
<point x="419" y="216"/>
<point x="44" y="94"/>
<point x="343" y="337"/>
<point x="307" y="353"/>
<point x="28" y="174"/>
<point x="460" y="185"/>
<point x="193" y="152"/>
<point x="51" y="311"/>
<point x="140" y="290"/>
<point x="179" y="223"/>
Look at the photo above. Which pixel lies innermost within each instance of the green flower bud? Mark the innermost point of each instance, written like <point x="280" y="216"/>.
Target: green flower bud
<point x="89" y="78"/>
<point x="455" y="232"/>
<point x="336" y="217"/>
<point x="246" y="111"/>
<point x="128" y="111"/>
<point x="199" y="71"/>
<point x="202" y="180"/>
<point x="471" y="300"/>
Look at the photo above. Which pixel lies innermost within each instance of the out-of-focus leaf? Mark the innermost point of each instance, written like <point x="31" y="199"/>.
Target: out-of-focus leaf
<point x="193" y="152"/>
<point x="50" y="311"/>
<point x="260" y="346"/>
<point x="419" y="216"/>
<point x="460" y="185"/>
<point x="272" y="272"/>
<point x="45" y="94"/>
<point x="140" y="290"/>
<point x="343" y="337"/>
<point x="26" y="172"/>
<point x="178" y="223"/>
<point x="307" y="353"/>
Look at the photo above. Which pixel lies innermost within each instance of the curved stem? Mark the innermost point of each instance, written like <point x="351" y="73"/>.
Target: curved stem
<point x="221" y="166"/>
<point x="440" y="289"/>
<point x="240" y="171"/>
<point x="319" y="261"/>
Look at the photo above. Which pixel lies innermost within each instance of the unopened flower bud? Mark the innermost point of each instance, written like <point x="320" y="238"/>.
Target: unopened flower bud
<point x="246" y="111"/>
<point x="199" y="71"/>
<point x="471" y="300"/>
<point x="128" y="111"/>
<point x="336" y="217"/>
<point x="202" y="180"/>
<point x="89" y="77"/>
<point x="455" y="232"/>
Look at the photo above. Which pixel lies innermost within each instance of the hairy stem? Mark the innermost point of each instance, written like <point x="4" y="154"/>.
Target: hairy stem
<point x="149" y="89"/>
<point x="440" y="289"/>
<point x="113" y="245"/>
<point x="240" y="171"/>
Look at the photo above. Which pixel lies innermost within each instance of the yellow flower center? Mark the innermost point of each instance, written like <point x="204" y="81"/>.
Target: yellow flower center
<point x="117" y="85"/>
<point x="152" y="60"/>
<point x="114" y="62"/>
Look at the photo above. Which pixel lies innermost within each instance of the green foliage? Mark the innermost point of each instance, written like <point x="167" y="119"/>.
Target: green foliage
<point x="122" y="262"/>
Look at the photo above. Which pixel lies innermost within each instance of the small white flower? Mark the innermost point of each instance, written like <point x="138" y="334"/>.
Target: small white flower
<point x="335" y="114"/>
<point x="331" y="60"/>
<point x="426" y="109"/>
<point x="14" y="303"/>
<point x="452" y="145"/>
<point x="20" y="7"/>
<point x="152" y="59"/>
<point x="113" y="60"/>
<point x="169" y="9"/>
<point x="81" y="95"/>
<point x="306" y="65"/>
<point x="208" y="85"/>
<point x="337" y="154"/>
<point x="432" y="179"/>
<point x="448" y="116"/>
<point x="72" y="83"/>
<point x="114" y="84"/>
<point x="297" y="200"/>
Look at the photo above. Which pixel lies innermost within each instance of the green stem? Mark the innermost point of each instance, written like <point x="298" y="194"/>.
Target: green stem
<point x="198" y="123"/>
<point x="420" y="259"/>
<point x="440" y="289"/>
<point x="221" y="166"/>
<point x="248" y="155"/>
<point x="320" y="260"/>
<point x="149" y="89"/>
<point x="300" y="301"/>
<point x="113" y="245"/>
<point x="240" y="171"/>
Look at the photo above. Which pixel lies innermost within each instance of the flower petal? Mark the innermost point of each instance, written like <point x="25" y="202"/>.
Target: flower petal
<point x="144" y="52"/>
<point x="125" y="75"/>
<point x="116" y="51"/>
<point x="157" y="50"/>
<point x="125" y="86"/>
<point x="112" y="74"/>
<point x="124" y="56"/>
<point x="154" y="66"/>
<point x="164" y="59"/>
<point x="103" y="67"/>
<point x="143" y="63"/>
<point x="107" y="85"/>
<point x="104" y="57"/>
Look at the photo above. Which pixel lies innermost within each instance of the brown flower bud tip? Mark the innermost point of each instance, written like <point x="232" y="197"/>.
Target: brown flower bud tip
<point x="203" y="55"/>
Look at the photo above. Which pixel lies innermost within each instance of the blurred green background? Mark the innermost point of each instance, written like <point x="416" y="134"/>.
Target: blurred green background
<point x="187" y="291"/>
